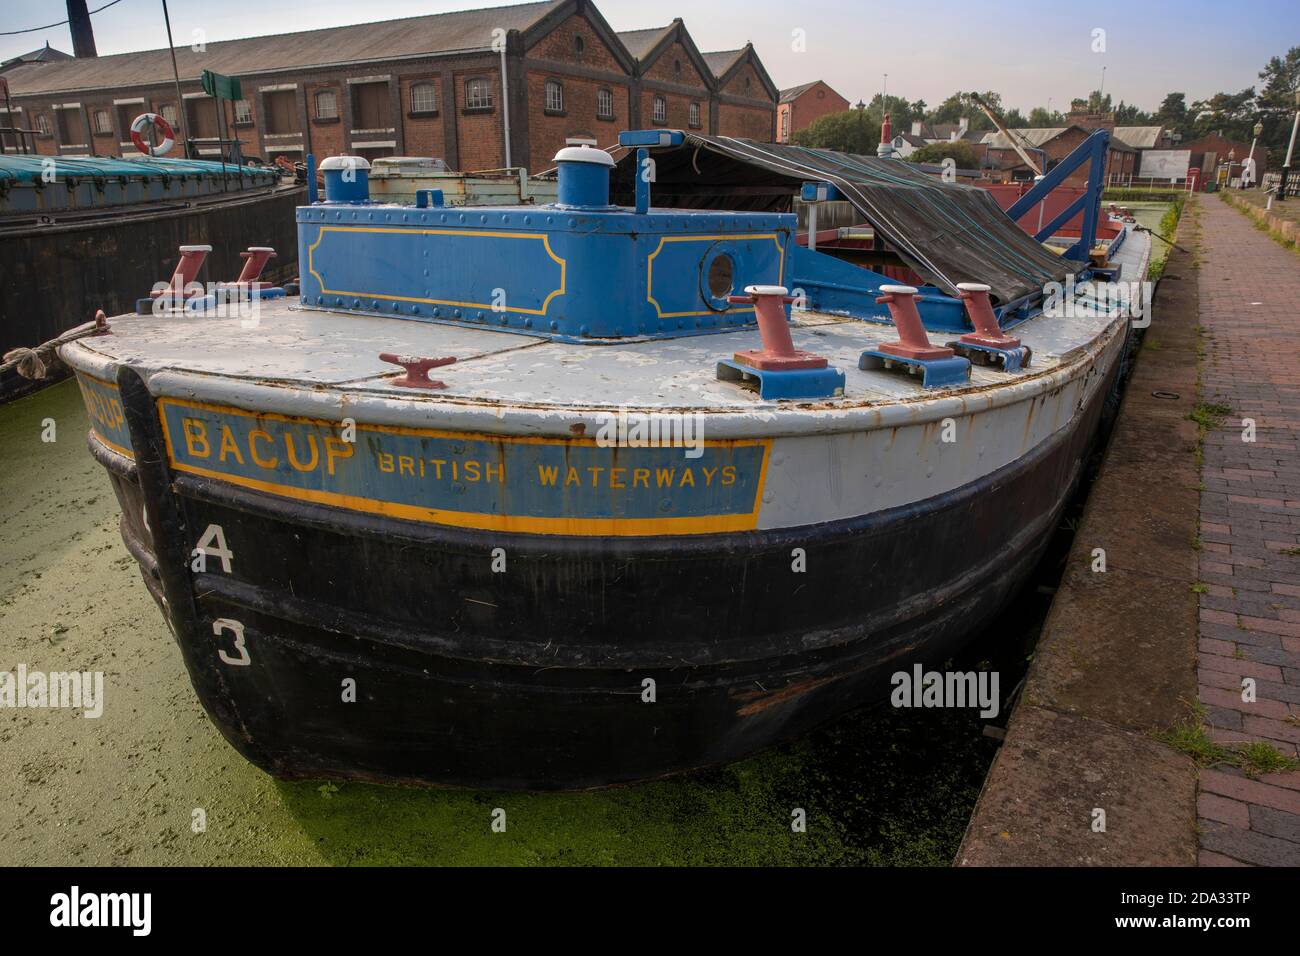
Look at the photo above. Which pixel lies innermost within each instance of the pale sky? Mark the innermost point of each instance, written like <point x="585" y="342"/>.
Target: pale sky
<point x="1027" y="51"/>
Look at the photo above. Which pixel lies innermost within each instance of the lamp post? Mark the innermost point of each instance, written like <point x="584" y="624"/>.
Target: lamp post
<point x="1232" y="155"/>
<point x="1250" y="160"/>
<point x="1290" y="151"/>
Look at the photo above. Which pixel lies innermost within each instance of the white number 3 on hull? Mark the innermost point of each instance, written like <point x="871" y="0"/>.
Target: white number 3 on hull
<point x="237" y="629"/>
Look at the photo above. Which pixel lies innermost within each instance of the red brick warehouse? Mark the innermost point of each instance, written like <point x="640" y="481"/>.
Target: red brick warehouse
<point x="799" y="106"/>
<point x="425" y="86"/>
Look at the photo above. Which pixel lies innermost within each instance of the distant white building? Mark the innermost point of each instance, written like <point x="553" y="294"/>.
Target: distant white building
<point x="905" y="144"/>
<point x="941" y="132"/>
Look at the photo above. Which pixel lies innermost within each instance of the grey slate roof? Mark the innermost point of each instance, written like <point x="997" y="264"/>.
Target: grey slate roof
<point x="1035" y="137"/>
<point x="46" y="54"/>
<point x="640" y="42"/>
<point x="720" y="61"/>
<point x="386" y="40"/>
<point x="1140" y="137"/>
<point x="795" y="92"/>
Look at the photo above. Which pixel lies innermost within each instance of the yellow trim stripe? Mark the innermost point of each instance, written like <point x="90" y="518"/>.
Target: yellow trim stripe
<point x="650" y="262"/>
<point x="603" y="527"/>
<point x="546" y="243"/>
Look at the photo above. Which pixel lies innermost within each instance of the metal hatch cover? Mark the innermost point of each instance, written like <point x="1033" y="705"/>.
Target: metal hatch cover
<point x="946" y="232"/>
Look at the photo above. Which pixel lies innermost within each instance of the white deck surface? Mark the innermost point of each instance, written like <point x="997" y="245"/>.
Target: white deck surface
<point x="311" y="349"/>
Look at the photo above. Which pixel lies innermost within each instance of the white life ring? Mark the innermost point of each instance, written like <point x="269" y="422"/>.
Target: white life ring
<point x="156" y="121"/>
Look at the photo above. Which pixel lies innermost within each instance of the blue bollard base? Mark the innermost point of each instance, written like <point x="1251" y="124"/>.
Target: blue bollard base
<point x="794" y="383"/>
<point x="935" y="373"/>
<point x="1011" y="360"/>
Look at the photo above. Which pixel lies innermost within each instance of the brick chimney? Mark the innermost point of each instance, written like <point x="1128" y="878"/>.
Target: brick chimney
<point x="83" y="36"/>
<point x="1080" y="115"/>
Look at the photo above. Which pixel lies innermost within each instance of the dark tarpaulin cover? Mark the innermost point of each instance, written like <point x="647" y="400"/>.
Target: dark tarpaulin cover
<point x="946" y="232"/>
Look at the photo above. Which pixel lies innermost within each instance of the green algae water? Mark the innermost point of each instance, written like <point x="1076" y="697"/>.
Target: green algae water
<point x="153" y="782"/>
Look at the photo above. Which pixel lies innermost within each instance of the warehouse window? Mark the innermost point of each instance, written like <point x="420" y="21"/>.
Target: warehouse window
<point x="695" y="115"/>
<point x="554" y="97"/>
<point x="243" y="112"/>
<point x="327" y="105"/>
<point x="660" y="110"/>
<point x="579" y="44"/>
<point x="43" y="124"/>
<point x="168" y="112"/>
<point x="604" y="104"/>
<point x="478" y="95"/>
<point x="424" y="98"/>
<point x="103" y="124"/>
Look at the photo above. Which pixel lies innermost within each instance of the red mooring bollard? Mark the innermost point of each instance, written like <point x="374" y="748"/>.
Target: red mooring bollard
<point x="186" y="271"/>
<point x="913" y="342"/>
<point x="417" y="369"/>
<point x="778" y="352"/>
<point x="980" y="310"/>
<point x="255" y="260"/>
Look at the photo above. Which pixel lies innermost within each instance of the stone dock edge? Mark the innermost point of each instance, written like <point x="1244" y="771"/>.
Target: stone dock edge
<point x="1082" y="777"/>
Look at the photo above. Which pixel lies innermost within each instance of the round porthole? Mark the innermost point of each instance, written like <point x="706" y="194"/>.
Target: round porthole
<point x="717" y="277"/>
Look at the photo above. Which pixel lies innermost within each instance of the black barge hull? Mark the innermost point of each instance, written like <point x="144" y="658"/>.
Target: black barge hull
<point x="536" y="678"/>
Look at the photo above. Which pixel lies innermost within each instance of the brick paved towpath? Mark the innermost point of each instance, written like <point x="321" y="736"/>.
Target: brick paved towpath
<point x="1250" y="534"/>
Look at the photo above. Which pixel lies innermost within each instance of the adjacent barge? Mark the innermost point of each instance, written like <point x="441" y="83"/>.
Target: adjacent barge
<point x="488" y="580"/>
<point x="84" y="233"/>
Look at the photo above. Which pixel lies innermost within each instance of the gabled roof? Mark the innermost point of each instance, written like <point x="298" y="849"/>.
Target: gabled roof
<point x="734" y="60"/>
<point x="640" y="42"/>
<point x="1035" y="137"/>
<point x="721" y="61"/>
<point x="561" y="11"/>
<point x="653" y="43"/>
<point x="463" y="30"/>
<point x="792" y="94"/>
<point x="46" y="54"/>
<point x="1140" y="137"/>
<point x="913" y="140"/>
<point x="1038" y="138"/>
<point x="944" y="131"/>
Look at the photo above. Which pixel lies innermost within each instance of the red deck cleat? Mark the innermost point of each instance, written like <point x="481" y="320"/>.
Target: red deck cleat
<point x="913" y="342"/>
<point x="980" y="309"/>
<point x="417" y="369"/>
<point x="778" y="352"/>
